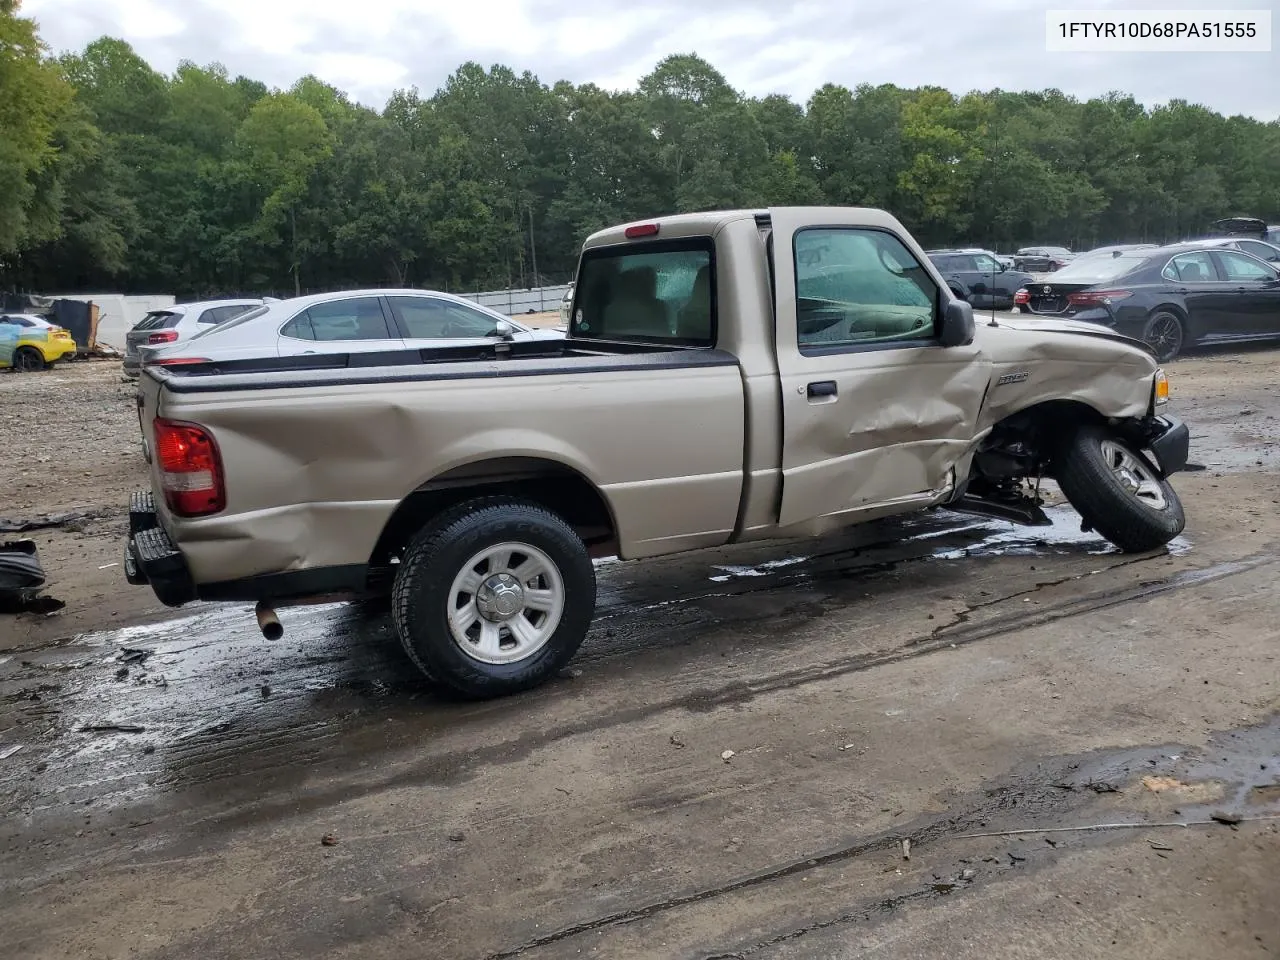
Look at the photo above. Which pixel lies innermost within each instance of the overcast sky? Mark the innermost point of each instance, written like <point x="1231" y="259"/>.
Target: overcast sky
<point x="370" y="47"/>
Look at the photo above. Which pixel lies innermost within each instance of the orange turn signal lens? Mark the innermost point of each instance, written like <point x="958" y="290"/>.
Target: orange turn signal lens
<point x="1162" y="387"/>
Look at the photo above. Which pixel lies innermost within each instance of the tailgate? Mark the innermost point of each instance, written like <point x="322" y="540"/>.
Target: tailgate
<point x="148" y="407"/>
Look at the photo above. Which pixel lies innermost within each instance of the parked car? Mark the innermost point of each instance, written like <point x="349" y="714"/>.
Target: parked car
<point x="1246" y="227"/>
<point x="352" y="321"/>
<point x="162" y="328"/>
<point x="566" y="305"/>
<point x="728" y="376"/>
<point x="1170" y="297"/>
<point x="979" y="278"/>
<point x="1257" y="248"/>
<point x="1042" y="259"/>
<point x="29" y="342"/>
<point x="1115" y="250"/>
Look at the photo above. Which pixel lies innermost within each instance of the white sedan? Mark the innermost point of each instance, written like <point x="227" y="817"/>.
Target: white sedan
<point x="349" y="322"/>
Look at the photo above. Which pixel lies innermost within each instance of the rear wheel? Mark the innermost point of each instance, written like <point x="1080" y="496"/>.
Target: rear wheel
<point x="1164" y="334"/>
<point x="1118" y="491"/>
<point x="494" y="597"/>
<point x="27" y="360"/>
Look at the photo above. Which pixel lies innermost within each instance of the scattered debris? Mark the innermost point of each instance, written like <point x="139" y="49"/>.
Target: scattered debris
<point x="9" y="751"/>
<point x="943" y="888"/>
<point x="111" y="728"/>
<point x="1103" y="787"/>
<point x="968" y="874"/>
<point x="46" y="520"/>
<point x="328" y="840"/>
<point x="727" y="755"/>
<point x="1157" y="845"/>
<point x="265" y="690"/>
<point x="1222" y="816"/>
<point x="570" y="674"/>
<point x="848" y="746"/>
<point x="1016" y="858"/>
<point x="676" y="743"/>
<point x="122" y="673"/>
<point x="906" y="849"/>
<point x="457" y="837"/>
<point x="149" y="748"/>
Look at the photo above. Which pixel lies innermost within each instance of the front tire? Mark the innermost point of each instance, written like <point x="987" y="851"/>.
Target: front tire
<point x="1118" y="491"/>
<point x="1165" y="334"/>
<point x="493" y="597"/>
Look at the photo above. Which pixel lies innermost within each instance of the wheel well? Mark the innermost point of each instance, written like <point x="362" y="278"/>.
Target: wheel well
<point x="558" y="488"/>
<point x="1173" y="308"/>
<point x="1030" y="437"/>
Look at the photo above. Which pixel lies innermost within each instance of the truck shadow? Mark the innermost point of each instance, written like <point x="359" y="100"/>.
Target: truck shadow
<point x="202" y="708"/>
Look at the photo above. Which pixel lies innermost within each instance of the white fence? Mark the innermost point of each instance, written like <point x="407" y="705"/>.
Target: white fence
<point x="515" y="302"/>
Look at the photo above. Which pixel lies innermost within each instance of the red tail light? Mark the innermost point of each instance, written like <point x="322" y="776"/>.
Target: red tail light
<point x="1022" y="296"/>
<point x="1096" y="298"/>
<point x="641" y="230"/>
<point x="190" y="468"/>
<point x="163" y="336"/>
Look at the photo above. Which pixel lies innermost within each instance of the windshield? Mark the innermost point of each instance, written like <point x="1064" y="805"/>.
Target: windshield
<point x="1098" y="269"/>
<point x="658" y="292"/>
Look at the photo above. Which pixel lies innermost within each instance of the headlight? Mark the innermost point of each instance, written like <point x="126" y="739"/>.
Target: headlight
<point x="1161" y="387"/>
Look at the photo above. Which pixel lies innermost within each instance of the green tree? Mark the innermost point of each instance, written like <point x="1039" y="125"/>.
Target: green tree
<point x="33" y="101"/>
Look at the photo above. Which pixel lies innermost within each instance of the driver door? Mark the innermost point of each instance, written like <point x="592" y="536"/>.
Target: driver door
<point x="876" y="412"/>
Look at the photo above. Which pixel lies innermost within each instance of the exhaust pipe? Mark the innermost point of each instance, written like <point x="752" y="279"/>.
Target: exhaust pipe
<point x="268" y="622"/>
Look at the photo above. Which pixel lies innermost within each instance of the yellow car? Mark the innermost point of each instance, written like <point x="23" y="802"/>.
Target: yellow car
<point x="28" y="342"/>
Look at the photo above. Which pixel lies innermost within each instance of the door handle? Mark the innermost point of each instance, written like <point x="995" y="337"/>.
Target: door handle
<point x="823" y="388"/>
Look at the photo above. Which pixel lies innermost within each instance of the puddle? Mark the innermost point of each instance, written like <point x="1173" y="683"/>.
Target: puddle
<point x="759" y="570"/>
<point x="1063" y="536"/>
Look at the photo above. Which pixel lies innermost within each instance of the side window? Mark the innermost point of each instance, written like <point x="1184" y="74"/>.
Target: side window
<point x="430" y="318"/>
<point x="357" y="319"/>
<point x="856" y="286"/>
<point x="1238" y="267"/>
<point x="985" y="264"/>
<point x="1190" y="268"/>
<point x="212" y="315"/>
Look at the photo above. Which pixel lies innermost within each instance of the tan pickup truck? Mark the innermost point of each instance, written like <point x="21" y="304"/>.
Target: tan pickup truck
<point x="727" y="377"/>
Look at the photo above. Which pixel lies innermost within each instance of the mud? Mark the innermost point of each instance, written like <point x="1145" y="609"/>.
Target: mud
<point x="1052" y="725"/>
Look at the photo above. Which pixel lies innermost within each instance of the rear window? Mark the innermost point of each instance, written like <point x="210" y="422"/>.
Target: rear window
<point x="158" y="320"/>
<point x="235" y="321"/>
<point x="1098" y="269"/>
<point x="660" y="292"/>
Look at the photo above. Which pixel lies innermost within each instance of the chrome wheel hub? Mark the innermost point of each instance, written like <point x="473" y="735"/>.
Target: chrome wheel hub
<point x="1138" y="480"/>
<point x="500" y="598"/>
<point x="505" y="603"/>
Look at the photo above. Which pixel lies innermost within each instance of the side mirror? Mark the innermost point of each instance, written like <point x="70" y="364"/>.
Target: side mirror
<point x="503" y="330"/>
<point x="1002" y="267"/>
<point x="957" y="324"/>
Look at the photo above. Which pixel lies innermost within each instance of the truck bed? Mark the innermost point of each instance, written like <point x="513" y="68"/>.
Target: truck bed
<point x="317" y="462"/>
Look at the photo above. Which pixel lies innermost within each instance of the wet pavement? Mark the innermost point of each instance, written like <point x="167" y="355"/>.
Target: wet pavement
<point x="975" y="688"/>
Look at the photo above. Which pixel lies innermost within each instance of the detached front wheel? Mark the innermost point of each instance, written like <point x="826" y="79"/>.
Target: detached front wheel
<point x="1118" y="491"/>
<point x="494" y="597"/>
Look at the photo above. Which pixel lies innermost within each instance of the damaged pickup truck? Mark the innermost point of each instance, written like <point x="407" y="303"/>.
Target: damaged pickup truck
<point x="726" y="377"/>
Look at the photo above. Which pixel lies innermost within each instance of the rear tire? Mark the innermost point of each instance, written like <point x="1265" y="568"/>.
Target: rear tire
<point x="1165" y="334"/>
<point x="1118" y="492"/>
<point x="493" y="597"/>
<point x="28" y="360"/>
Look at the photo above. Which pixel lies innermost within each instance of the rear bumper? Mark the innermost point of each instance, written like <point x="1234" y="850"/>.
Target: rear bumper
<point x="152" y="559"/>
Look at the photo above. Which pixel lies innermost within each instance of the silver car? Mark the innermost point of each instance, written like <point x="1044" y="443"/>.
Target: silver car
<point x="347" y="322"/>
<point x="162" y="328"/>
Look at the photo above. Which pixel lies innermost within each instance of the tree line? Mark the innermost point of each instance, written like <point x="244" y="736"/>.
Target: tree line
<point x="114" y="176"/>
